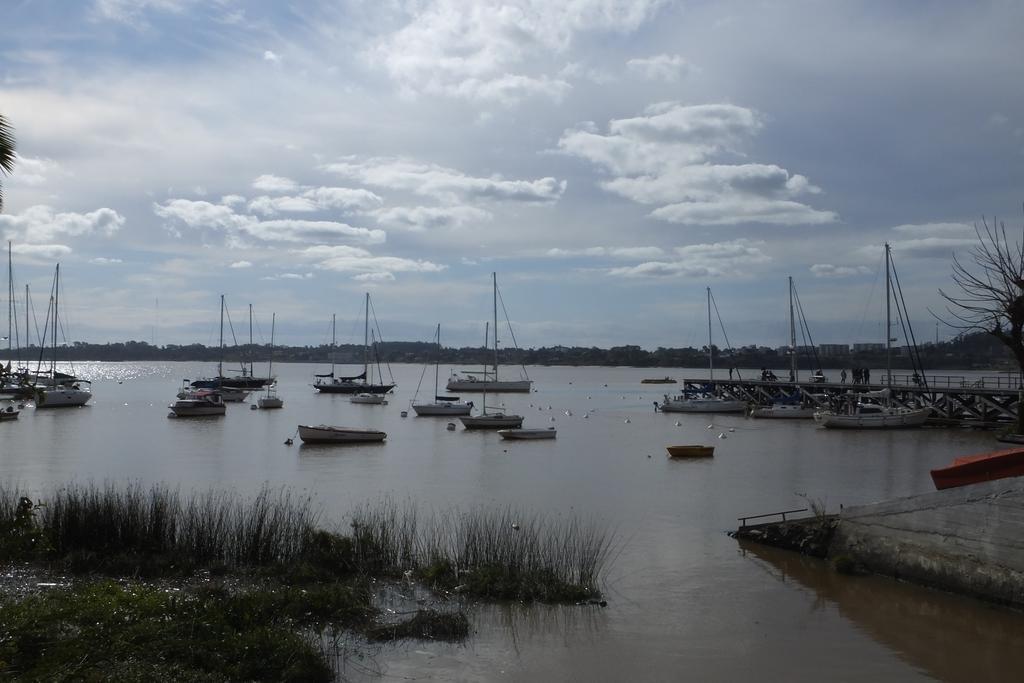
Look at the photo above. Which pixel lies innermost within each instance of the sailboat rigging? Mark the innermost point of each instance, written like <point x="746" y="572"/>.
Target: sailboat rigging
<point x="703" y="401"/>
<point x="358" y="384"/>
<point x="59" y="390"/>
<point x="270" y="399"/>
<point x="860" y="411"/>
<point x="487" y="380"/>
<point x="497" y="418"/>
<point x="441" y="405"/>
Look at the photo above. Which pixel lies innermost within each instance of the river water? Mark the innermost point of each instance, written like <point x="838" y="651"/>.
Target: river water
<point x="685" y="601"/>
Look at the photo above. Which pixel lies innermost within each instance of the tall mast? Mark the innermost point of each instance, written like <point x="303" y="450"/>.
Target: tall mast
<point x="437" y="361"/>
<point x="792" y="334"/>
<point x="334" y="342"/>
<point x="487" y="334"/>
<point x="270" y="366"/>
<point x="250" y="341"/>
<point x="28" y="339"/>
<point x="711" y="354"/>
<point x="220" y="361"/>
<point x="56" y="300"/>
<point x="888" y="321"/>
<point x="10" y="301"/>
<point x="366" y="335"/>
<point x="494" y="280"/>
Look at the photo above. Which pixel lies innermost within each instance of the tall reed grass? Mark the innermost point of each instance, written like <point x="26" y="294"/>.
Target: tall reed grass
<point x="213" y="527"/>
<point x="501" y="553"/>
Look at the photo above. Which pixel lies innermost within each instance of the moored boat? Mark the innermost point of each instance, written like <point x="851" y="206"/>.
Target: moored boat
<point x="974" y="469"/>
<point x="332" y="434"/>
<point x="782" y="410"/>
<point x="369" y="399"/>
<point x="487" y="379"/>
<point x="200" y="403"/>
<point x="658" y="380"/>
<point x="441" y="406"/>
<point x="527" y="434"/>
<point x="10" y="412"/>
<point x="492" y="421"/>
<point x="863" y="415"/>
<point x="701" y="403"/>
<point x="690" y="451"/>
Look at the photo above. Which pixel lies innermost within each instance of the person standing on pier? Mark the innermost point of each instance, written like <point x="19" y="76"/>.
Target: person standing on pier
<point x="842" y="377"/>
<point x="867" y="376"/>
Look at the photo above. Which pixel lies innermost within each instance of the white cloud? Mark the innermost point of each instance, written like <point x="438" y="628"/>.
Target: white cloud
<point x="47" y="252"/>
<point x="241" y="264"/>
<point x="445" y="184"/>
<point x="664" y="158"/>
<point x="33" y="172"/>
<point x="342" y="198"/>
<point x="830" y="270"/>
<point x="200" y="214"/>
<point x="41" y="224"/>
<point x="482" y="50"/>
<point x="232" y="200"/>
<point x="270" y="205"/>
<point x="719" y="259"/>
<point x="130" y="11"/>
<point x="289" y="276"/>
<point x="103" y="261"/>
<point x="360" y="262"/>
<point x="273" y="183"/>
<point x="660" y="67"/>
<point x="420" y="218"/>
<point x="272" y="57"/>
<point x="936" y="229"/>
<point x="614" y="252"/>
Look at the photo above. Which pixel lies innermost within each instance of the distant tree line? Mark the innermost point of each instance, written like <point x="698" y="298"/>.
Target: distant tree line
<point x="968" y="351"/>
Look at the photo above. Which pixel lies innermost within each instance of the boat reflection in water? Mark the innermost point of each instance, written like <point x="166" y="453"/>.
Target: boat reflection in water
<point x="944" y="635"/>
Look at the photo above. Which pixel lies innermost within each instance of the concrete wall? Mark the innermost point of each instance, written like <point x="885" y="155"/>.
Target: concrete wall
<point x="968" y="540"/>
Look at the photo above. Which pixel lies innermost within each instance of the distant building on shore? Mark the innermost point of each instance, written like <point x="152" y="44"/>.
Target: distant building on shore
<point x="833" y="350"/>
<point x="872" y="347"/>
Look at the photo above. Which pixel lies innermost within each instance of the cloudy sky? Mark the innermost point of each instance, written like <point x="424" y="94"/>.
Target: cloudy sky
<point x="608" y="158"/>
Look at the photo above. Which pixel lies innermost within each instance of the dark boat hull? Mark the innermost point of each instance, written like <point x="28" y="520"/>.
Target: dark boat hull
<point x="353" y="388"/>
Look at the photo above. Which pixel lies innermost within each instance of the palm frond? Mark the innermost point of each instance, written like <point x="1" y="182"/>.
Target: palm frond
<point x="7" y="155"/>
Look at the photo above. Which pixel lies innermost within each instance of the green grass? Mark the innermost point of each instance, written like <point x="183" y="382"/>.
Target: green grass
<point x="106" y="631"/>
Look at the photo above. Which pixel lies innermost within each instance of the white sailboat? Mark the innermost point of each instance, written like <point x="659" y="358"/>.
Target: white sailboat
<point x="198" y="403"/>
<point x="487" y="380"/>
<point x="860" y="411"/>
<point x="695" y="402"/>
<point x="366" y="397"/>
<point x="792" y="408"/>
<point x="270" y="399"/>
<point x="59" y="391"/>
<point x="496" y="418"/>
<point x="441" y="406"/>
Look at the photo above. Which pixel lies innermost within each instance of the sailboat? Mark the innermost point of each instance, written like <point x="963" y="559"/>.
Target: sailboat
<point x="270" y="399"/>
<point x="241" y="383"/>
<point x="702" y="402"/>
<point x="329" y="384"/>
<point x="791" y="407"/>
<point x="496" y="419"/>
<point x="859" y="411"/>
<point x="364" y="397"/>
<point x="441" y="405"/>
<point x="219" y="383"/>
<point x="487" y="380"/>
<point x="59" y="390"/>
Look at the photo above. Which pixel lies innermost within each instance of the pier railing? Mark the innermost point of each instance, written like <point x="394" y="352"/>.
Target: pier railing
<point x="781" y="513"/>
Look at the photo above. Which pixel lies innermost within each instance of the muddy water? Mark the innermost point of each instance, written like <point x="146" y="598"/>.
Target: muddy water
<point x="685" y="602"/>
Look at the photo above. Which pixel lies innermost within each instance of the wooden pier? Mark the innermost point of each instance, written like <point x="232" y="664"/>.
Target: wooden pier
<point x="955" y="401"/>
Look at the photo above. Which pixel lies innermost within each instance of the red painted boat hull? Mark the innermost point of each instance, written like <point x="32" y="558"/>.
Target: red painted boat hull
<point x="974" y="469"/>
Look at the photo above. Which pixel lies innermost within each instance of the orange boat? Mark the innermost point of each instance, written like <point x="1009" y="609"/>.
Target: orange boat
<point x="692" y="451"/>
<point x="974" y="469"/>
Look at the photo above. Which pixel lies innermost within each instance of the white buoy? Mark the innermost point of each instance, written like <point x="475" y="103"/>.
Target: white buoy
<point x="585" y="416"/>
<point x="709" y="426"/>
<point x="551" y="419"/>
<point x="732" y="429"/>
<point x="678" y="424"/>
<point x="627" y="420"/>
<point x="722" y="436"/>
<point x="568" y="413"/>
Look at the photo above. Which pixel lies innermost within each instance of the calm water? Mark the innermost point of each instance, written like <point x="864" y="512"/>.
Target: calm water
<point x="685" y="600"/>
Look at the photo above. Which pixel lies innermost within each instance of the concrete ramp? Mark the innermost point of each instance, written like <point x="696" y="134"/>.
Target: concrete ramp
<point x="967" y="540"/>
